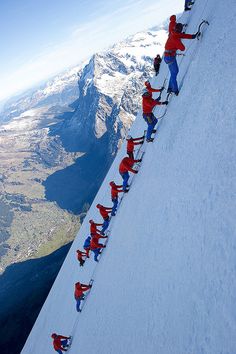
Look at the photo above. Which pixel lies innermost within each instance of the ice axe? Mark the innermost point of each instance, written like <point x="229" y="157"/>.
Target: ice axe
<point x="199" y="28"/>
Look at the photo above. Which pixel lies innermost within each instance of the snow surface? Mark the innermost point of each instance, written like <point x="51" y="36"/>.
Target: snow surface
<point x="59" y="83"/>
<point x="131" y="52"/>
<point x="166" y="281"/>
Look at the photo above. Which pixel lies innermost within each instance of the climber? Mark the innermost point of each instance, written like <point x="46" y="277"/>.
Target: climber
<point x="156" y="63"/>
<point x="125" y="166"/>
<point x="130" y="144"/>
<point x="148" y="104"/>
<point x="87" y="245"/>
<point x="95" y="246"/>
<point x="60" y="343"/>
<point x="172" y="24"/>
<point x="93" y="227"/>
<point x="79" y="293"/>
<point x="172" y="45"/>
<point x="150" y="89"/>
<point x="80" y="256"/>
<point x="115" y="190"/>
<point x="104" y="211"/>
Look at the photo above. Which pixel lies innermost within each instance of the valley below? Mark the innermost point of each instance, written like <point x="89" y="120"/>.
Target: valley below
<point x="30" y="225"/>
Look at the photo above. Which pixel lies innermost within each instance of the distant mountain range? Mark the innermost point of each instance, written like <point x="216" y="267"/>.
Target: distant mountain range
<point x="57" y="92"/>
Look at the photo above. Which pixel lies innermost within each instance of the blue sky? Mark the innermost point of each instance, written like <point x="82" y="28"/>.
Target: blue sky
<point x="42" y="37"/>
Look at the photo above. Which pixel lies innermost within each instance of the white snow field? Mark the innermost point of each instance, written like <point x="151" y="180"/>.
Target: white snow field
<point x="166" y="283"/>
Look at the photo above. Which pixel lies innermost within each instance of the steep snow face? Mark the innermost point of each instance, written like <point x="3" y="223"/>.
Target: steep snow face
<point x="166" y="281"/>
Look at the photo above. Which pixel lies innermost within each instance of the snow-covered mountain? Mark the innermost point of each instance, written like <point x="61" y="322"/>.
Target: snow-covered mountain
<point x="108" y="71"/>
<point x="109" y="91"/>
<point x="166" y="281"/>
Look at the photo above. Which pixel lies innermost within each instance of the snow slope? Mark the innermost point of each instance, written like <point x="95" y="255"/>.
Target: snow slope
<point x="166" y="281"/>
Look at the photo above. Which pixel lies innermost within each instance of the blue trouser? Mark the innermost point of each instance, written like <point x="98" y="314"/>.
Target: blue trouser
<point x="151" y="121"/>
<point x="63" y="343"/>
<point x="125" y="177"/>
<point x="105" y="225"/>
<point x="78" y="301"/>
<point x="96" y="253"/>
<point x="174" y="69"/>
<point x="114" y="208"/>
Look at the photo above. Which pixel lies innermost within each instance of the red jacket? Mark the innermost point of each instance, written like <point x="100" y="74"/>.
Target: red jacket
<point x="104" y="211"/>
<point x="93" y="227"/>
<point x="97" y="237"/>
<point x="127" y="164"/>
<point x="94" y="244"/>
<point x="132" y="142"/>
<point x="172" y="23"/>
<point x="174" y="43"/>
<point x="57" y="342"/>
<point x="148" y="104"/>
<point x="115" y="190"/>
<point x="80" y="288"/>
<point x="149" y="87"/>
<point x="80" y="254"/>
